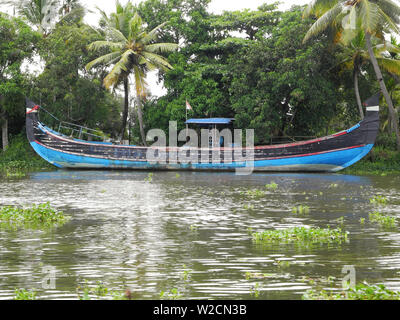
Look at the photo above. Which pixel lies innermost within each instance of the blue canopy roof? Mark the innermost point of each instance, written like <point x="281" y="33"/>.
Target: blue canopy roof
<point x="210" y="121"/>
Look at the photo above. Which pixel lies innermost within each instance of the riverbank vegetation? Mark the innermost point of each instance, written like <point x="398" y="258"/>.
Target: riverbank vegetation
<point x="20" y="158"/>
<point x="249" y="65"/>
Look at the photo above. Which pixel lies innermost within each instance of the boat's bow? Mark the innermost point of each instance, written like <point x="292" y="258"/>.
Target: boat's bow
<point x="32" y="110"/>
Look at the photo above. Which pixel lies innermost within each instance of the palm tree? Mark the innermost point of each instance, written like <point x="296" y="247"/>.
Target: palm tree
<point x="346" y="17"/>
<point x="357" y="56"/>
<point x="132" y="51"/>
<point x="44" y="14"/>
<point x="40" y="13"/>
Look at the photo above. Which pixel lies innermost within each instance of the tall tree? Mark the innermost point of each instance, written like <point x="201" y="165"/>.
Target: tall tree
<point x="132" y="51"/>
<point x="16" y="44"/>
<point x="76" y="96"/>
<point x="357" y="56"/>
<point x="281" y="87"/>
<point x="45" y="14"/>
<point x="40" y="13"/>
<point x="373" y="17"/>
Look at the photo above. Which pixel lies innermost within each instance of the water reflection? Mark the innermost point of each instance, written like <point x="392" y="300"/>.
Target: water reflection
<point x="129" y="232"/>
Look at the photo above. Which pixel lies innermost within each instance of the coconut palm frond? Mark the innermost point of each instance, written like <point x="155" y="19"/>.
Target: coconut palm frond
<point x="135" y="26"/>
<point x="388" y="21"/>
<point x="161" y="47"/>
<point x="157" y="60"/>
<point x="391" y="9"/>
<point x="318" y="7"/>
<point x="390" y="65"/>
<point x="113" y="46"/>
<point x="152" y="35"/>
<point x="140" y="82"/>
<point x="323" y="22"/>
<point x="309" y="9"/>
<point x="350" y="26"/>
<point x="115" y="34"/>
<point x="104" y="17"/>
<point x="115" y="75"/>
<point x="369" y="16"/>
<point x="106" y="59"/>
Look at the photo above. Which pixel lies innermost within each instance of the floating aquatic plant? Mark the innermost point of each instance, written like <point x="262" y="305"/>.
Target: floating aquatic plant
<point x="282" y="263"/>
<point x="271" y="186"/>
<point x="258" y="275"/>
<point x="255" y="292"/>
<point x="340" y="220"/>
<point x="363" y="291"/>
<point x="23" y="294"/>
<point x="38" y="215"/>
<point x="173" y="294"/>
<point x="186" y="273"/>
<point x="301" y="209"/>
<point x="256" y="193"/>
<point x="100" y="292"/>
<point x="248" y="207"/>
<point x="300" y="235"/>
<point x="382" y="220"/>
<point x="149" y="177"/>
<point x="379" y="200"/>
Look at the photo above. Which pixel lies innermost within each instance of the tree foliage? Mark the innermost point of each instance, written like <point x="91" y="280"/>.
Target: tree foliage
<point x="74" y="94"/>
<point x="17" y="42"/>
<point x="251" y="65"/>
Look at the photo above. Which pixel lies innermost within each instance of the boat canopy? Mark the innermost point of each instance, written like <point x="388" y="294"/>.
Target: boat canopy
<point x="207" y="121"/>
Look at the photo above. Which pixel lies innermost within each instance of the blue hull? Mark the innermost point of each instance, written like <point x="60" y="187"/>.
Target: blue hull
<point x="328" y="161"/>
<point x="329" y="154"/>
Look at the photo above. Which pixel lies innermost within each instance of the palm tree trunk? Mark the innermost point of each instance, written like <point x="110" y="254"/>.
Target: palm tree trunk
<point x="126" y="108"/>
<point x="383" y="88"/>
<point x="357" y="92"/>
<point x="140" y="120"/>
<point x="4" y="134"/>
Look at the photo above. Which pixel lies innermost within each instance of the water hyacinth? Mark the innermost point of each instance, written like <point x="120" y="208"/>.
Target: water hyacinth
<point x="301" y="234"/>
<point x="378" y="200"/>
<point x="38" y="215"/>
<point x="301" y="209"/>
<point x="363" y="291"/>
<point x="256" y="193"/>
<point x="271" y="186"/>
<point x="384" y="221"/>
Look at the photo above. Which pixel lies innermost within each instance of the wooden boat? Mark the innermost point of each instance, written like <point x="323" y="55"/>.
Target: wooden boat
<point x="330" y="153"/>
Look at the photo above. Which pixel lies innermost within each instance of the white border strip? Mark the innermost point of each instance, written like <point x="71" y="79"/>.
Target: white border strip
<point x="373" y="108"/>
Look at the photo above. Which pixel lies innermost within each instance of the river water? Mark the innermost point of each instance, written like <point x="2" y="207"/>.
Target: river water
<point x="192" y="231"/>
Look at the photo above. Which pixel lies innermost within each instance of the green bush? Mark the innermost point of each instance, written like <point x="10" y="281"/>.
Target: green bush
<point x="20" y="156"/>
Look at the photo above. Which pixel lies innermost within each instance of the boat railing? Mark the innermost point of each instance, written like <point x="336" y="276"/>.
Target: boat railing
<point x="79" y="130"/>
<point x="74" y="130"/>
